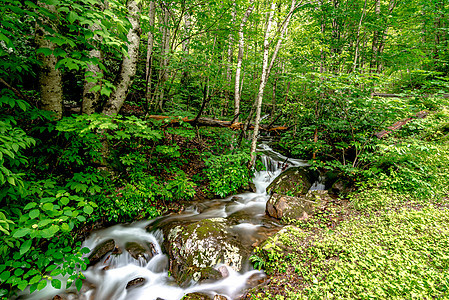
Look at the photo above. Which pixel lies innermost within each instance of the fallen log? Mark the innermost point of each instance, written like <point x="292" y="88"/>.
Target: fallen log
<point x="398" y="125"/>
<point x="208" y="122"/>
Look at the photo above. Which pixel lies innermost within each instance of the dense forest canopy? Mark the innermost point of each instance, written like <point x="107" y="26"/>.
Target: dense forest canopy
<point x="148" y="102"/>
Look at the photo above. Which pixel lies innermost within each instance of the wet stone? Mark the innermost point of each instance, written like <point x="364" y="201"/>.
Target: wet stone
<point x="135" y="283"/>
<point x="138" y="251"/>
<point x="255" y="280"/>
<point x="224" y="271"/>
<point x="100" y="251"/>
<point x="295" y="181"/>
<point x="197" y="296"/>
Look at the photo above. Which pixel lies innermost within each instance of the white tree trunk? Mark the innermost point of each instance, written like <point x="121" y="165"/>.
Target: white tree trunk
<point x="165" y="50"/>
<point x="238" y="70"/>
<point x="150" y="43"/>
<point x="91" y="98"/>
<point x="129" y="63"/>
<point x="50" y="79"/>
<point x="266" y="70"/>
<point x="263" y="81"/>
<point x="229" y="63"/>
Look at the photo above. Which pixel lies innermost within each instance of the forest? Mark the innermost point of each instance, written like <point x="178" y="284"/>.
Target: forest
<point x="173" y="113"/>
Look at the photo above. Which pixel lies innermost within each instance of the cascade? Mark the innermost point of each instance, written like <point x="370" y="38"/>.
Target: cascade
<point x="111" y="277"/>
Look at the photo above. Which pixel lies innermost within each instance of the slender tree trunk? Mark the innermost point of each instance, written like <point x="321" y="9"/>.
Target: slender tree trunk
<point x="384" y="37"/>
<point x="50" y="78"/>
<point x="375" y="43"/>
<point x="357" y="43"/>
<point x="229" y="63"/>
<point x="263" y="82"/>
<point x="129" y="63"/>
<point x="91" y="97"/>
<point x="165" y="50"/>
<point x="149" y="61"/>
<point x="266" y="70"/>
<point x="237" y="86"/>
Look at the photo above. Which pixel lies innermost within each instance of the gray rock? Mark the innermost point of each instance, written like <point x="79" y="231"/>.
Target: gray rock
<point x="297" y="208"/>
<point x="196" y="248"/>
<point x="197" y="296"/>
<point x="100" y="251"/>
<point x="293" y="182"/>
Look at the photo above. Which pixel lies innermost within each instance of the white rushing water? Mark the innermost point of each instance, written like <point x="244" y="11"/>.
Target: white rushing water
<point x="109" y="278"/>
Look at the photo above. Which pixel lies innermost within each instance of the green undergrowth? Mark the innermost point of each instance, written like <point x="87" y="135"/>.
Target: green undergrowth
<point x="393" y="254"/>
<point x="388" y="239"/>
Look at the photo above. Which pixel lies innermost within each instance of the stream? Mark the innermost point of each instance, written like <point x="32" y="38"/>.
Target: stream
<point x="122" y="275"/>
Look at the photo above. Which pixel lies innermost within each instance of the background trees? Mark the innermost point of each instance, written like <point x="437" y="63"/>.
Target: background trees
<point x="69" y="69"/>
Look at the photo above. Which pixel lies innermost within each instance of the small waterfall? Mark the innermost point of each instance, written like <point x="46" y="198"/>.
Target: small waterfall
<point x="319" y="185"/>
<point x="111" y="277"/>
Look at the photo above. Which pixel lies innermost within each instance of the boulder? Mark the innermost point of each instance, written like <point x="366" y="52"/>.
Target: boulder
<point x="100" y="251"/>
<point x="135" y="283"/>
<point x="196" y="296"/>
<point x="281" y="241"/>
<point x="293" y="182"/>
<point x="297" y="208"/>
<point x="196" y="248"/>
<point x="341" y="187"/>
<point x="138" y="251"/>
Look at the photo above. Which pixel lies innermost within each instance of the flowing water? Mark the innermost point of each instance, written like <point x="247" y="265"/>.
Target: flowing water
<point x="109" y="278"/>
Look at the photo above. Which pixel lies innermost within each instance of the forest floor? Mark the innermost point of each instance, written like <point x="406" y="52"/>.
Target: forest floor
<point x="398" y="251"/>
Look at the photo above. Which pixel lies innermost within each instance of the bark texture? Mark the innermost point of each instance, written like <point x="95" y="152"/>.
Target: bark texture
<point x="128" y="67"/>
<point x="263" y="81"/>
<point x="91" y="98"/>
<point x="50" y="79"/>
<point x="149" y="61"/>
<point x="238" y="70"/>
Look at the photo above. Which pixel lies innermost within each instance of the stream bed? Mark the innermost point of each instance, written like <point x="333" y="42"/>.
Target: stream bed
<point x="140" y="264"/>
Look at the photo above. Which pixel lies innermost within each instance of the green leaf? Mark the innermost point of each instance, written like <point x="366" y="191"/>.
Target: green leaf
<point x="18" y="272"/>
<point x="4" y="276"/>
<point x="35" y="279"/>
<point x="65" y="227"/>
<point x="88" y="209"/>
<point x="64" y="200"/>
<point x="41" y="284"/>
<point x="30" y="205"/>
<point x="22" y="285"/>
<point x="25" y="246"/>
<point x="21" y="232"/>
<point x="34" y="213"/>
<point x="48" y="206"/>
<point x="72" y="16"/>
<point x="78" y="284"/>
<point x="56" y="283"/>
<point x="44" y="51"/>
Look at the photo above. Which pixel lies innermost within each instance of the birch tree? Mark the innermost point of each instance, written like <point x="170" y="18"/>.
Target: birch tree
<point x="50" y="78"/>
<point x="238" y="70"/>
<point x="149" y="60"/>
<point x="266" y="68"/>
<point x="129" y="62"/>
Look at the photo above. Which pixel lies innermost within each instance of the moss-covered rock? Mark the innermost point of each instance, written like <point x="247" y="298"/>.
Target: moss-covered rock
<point x="196" y="248"/>
<point x="296" y="208"/>
<point x="293" y="182"/>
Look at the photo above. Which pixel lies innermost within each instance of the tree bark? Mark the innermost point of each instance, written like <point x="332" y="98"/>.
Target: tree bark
<point x="149" y="60"/>
<point x="165" y="51"/>
<point x="229" y="63"/>
<point x="50" y="78"/>
<point x="357" y="42"/>
<point x="263" y="81"/>
<point x="238" y="70"/>
<point x="91" y="98"/>
<point x="129" y="63"/>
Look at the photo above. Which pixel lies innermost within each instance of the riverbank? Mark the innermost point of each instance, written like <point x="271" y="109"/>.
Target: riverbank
<point x="387" y="240"/>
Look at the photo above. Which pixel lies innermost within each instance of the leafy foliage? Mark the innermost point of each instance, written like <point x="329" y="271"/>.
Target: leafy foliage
<point x="227" y="173"/>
